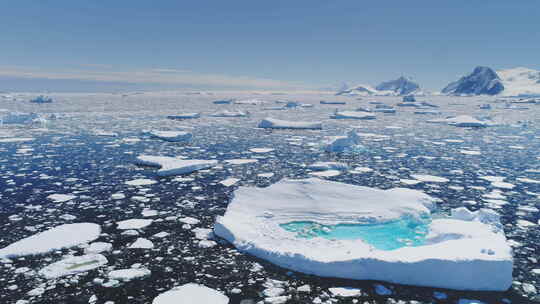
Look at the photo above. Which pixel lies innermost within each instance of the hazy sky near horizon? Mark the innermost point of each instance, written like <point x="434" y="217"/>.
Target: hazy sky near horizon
<point x="70" y="45"/>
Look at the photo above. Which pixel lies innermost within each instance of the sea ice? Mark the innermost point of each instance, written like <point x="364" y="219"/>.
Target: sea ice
<point x="323" y="166"/>
<point x="141" y="182"/>
<point x="60" y="198"/>
<point x="352" y="115"/>
<point x="343" y="143"/>
<point x="273" y="123"/>
<point x="142" y="243"/>
<point x="470" y="250"/>
<point x="134" y="224"/>
<point x="174" y="166"/>
<point x="230" y="114"/>
<point x="73" y="265"/>
<point x="174" y="136"/>
<point x="126" y="275"/>
<point x="59" y="237"/>
<point x="191" y="294"/>
<point x="185" y="116"/>
<point x="467" y="121"/>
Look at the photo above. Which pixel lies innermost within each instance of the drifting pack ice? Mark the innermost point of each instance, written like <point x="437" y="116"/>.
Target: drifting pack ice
<point x="339" y="230"/>
<point x="343" y="143"/>
<point x="174" y="166"/>
<point x="56" y="238"/>
<point x="173" y="136"/>
<point x="273" y="123"/>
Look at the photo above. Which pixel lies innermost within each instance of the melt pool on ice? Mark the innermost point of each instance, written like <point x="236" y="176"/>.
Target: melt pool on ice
<point x="333" y="229"/>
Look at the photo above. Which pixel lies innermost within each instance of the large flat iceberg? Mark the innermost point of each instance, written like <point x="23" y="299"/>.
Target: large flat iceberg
<point x="59" y="237"/>
<point x="339" y="230"/>
<point x="273" y="123"/>
<point x="173" y="136"/>
<point x="174" y="166"/>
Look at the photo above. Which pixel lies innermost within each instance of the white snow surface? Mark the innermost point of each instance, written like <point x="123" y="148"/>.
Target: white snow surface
<point x="129" y="274"/>
<point x="352" y="115"/>
<point x="191" y="294"/>
<point x="73" y="265"/>
<point x="471" y="251"/>
<point x="342" y="143"/>
<point x="273" y="123"/>
<point x="59" y="237"/>
<point x="174" y="136"/>
<point x="520" y="81"/>
<point x="174" y="166"/>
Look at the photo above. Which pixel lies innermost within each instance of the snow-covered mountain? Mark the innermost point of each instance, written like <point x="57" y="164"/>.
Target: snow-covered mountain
<point x="520" y="81"/>
<point x="400" y="86"/>
<point x="397" y="87"/>
<point x="358" y="90"/>
<point x="482" y="81"/>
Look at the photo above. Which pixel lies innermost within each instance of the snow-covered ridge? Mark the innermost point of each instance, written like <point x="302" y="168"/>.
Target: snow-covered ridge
<point x="397" y="87"/>
<point x="520" y="81"/>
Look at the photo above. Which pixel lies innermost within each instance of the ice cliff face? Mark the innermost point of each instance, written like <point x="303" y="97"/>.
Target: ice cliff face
<point x="400" y="86"/>
<point x="482" y="81"/>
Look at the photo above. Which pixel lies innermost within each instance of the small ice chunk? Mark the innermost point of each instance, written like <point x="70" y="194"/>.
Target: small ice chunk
<point x="191" y="294"/>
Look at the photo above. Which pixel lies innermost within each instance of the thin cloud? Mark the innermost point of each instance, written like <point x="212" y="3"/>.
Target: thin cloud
<point x="152" y="76"/>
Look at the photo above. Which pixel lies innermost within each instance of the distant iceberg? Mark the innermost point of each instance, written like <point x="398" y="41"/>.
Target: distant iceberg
<point x="273" y="123"/>
<point x="41" y="99"/>
<point x="174" y="166"/>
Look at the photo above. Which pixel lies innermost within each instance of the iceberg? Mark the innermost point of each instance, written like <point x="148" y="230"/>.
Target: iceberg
<point x="185" y="116"/>
<point x="343" y="143"/>
<point x="223" y="101"/>
<point x="230" y="114"/>
<point x="328" y="102"/>
<point x="174" y="166"/>
<point x="41" y="99"/>
<point x="323" y="166"/>
<point x="467" y="121"/>
<point x="59" y="237"/>
<point x="319" y="227"/>
<point x="272" y="123"/>
<point x="352" y="115"/>
<point x="173" y="136"/>
<point x="252" y="102"/>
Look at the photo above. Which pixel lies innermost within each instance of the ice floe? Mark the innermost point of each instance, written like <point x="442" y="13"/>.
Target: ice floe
<point x="174" y="166"/>
<point x="133" y="224"/>
<point x="126" y="275"/>
<point x="73" y="265"/>
<point x="191" y="294"/>
<point x="273" y="123"/>
<point x="59" y="237"/>
<point x="185" y="116"/>
<point x="471" y="250"/>
<point x="174" y="136"/>
<point x="352" y="115"/>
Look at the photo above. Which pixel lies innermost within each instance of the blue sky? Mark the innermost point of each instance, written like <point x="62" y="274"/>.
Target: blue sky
<point x="70" y="45"/>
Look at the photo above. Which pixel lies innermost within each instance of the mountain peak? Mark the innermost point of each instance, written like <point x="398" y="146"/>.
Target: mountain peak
<point x="482" y="81"/>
